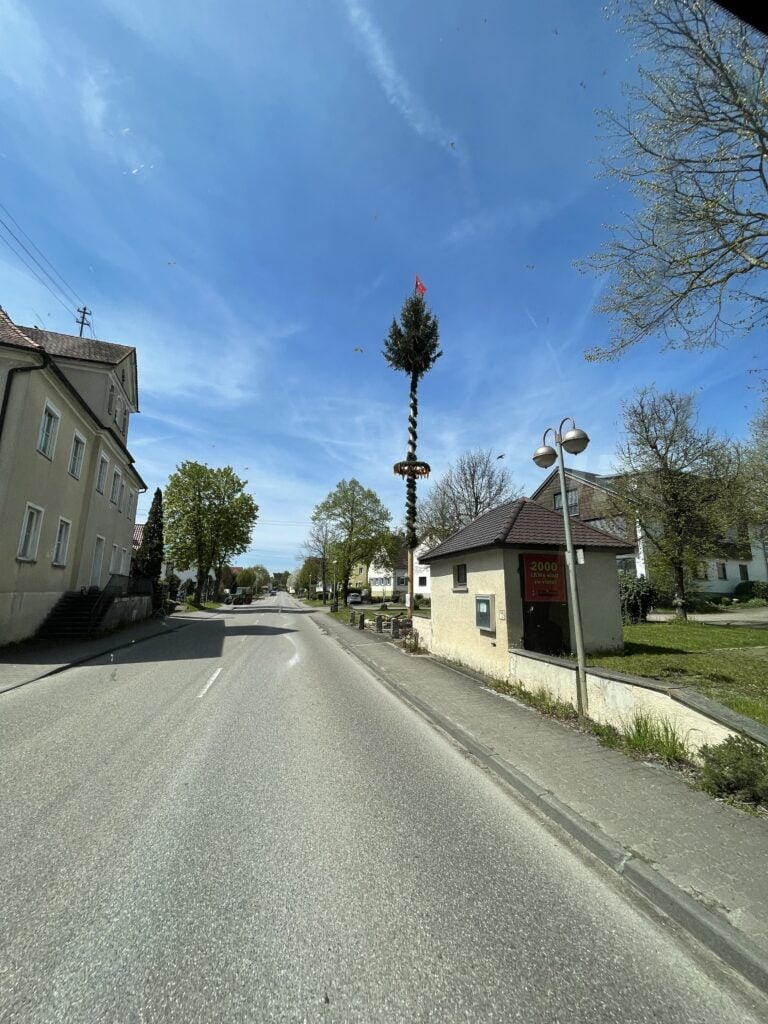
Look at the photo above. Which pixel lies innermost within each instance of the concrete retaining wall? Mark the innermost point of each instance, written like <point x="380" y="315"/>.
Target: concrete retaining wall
<point x="124" y="610"/>
<point x="614" y="697"/>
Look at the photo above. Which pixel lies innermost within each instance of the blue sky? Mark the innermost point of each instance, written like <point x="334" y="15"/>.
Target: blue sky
<point x="245" y="191"/>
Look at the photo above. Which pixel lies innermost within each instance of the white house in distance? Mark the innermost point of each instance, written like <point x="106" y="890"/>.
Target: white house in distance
<point x="68" y="485"/>
<point x="391" y="584"/>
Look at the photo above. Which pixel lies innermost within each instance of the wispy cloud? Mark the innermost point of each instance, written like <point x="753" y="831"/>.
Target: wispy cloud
<point x="395" y="86"/>
<point x="522" y="214"/>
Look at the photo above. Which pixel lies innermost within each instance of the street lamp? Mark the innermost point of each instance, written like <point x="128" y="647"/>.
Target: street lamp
<point x="573" y="441"/>
<point x="335" y="596"/>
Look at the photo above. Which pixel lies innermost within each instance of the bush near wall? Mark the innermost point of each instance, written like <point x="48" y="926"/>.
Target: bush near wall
<point x="736" y="768"/>
<point x="752" y="588"/>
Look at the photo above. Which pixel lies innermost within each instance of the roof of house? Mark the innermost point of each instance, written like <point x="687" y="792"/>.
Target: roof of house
<point x="71" y="347"/>
<point x="10" y="334"/>
<point x="602" y="481"/>
<point x="524" y="523"/>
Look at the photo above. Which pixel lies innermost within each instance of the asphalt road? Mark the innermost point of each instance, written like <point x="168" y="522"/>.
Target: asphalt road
<point x="235" y="822"/>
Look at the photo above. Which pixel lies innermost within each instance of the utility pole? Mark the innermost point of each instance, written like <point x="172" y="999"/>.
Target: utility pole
<point x="84" y="313"/>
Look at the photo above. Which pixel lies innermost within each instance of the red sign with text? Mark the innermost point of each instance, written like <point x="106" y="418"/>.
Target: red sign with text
<point x="544" y="578"/>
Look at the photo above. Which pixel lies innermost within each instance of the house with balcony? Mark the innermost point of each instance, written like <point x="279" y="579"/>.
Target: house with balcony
<point x="68" y="483"/>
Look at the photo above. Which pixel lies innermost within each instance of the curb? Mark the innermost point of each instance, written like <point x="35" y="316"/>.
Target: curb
<point x="92" y="657"/>
<point x="720" y="937"/>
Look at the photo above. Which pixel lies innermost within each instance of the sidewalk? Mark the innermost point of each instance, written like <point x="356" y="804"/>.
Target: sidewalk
<point x="33" y="659"/>
<point x="700" y="861"/>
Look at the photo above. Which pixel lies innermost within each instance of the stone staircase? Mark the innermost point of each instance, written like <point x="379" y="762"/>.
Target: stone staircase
<point x="75" y="616"/>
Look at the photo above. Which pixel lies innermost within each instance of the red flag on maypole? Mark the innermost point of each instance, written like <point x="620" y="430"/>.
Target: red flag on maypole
<point x="419" y="287"/>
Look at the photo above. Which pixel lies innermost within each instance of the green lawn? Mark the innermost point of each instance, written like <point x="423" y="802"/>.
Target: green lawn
<point x="728" y="664"/>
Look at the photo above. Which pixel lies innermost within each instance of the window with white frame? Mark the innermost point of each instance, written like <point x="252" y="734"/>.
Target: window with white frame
<point x="30" y="533"/>
<point x="124" y="562"/>
<point x="121" y="497"/>
<point x="422" y="581"/>
<point x="117" y="479"/>
<point x="460" y="576"/>
<point x="49" y="428"/>
<point x="77" y="455"/>
<point x="113" y="559"/>
<point x="62" y="542"/>
<point x="101" y="478"/>
<point x="743" y="572"/>
<point x="722" y="572"/>
<point x="111" y="399"/>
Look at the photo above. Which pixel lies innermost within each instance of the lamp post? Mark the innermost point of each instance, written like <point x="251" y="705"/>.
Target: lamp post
<point x="335" y="602"/>
<point x="573" y="441"/>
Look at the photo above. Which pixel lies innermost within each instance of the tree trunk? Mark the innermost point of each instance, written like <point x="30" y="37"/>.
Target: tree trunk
<point x="679" y="597"/>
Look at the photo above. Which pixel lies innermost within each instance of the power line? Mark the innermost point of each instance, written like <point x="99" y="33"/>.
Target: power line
<point x="69" y="287"/>
<point x="36" y="275"/>
<point x="33" y="258"/>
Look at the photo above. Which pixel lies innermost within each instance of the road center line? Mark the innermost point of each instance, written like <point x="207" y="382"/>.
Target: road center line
<point x="210" y="681"/>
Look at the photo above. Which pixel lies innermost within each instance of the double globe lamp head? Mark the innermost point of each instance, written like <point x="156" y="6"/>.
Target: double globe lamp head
<point x="574" y="441"/>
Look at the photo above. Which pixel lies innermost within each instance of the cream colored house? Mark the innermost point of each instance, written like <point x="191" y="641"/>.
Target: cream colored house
<point x="68" y="485"/>
<point x="500" y="583"/>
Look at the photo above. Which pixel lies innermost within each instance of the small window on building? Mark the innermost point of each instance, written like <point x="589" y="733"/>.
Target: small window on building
<point x="121" y="498"/>
<point x="101" y="479"/>
<point x="460" y="576"/>
<point x="131" y="504"/>
<point x="30" y="533"/>
<point x="572" y="498"/>
<point x="111" y="399"/>
<point x="702" y="571"/>
<point x="124" y="424"/>
<point x="62" y="542"/>
<point x="124" y="562"/>
<point x="721" y="571"/>
<point x="401" y="581"/>
<point x="116" y="481"/>
<point x="76" y="456"/>
<point x="49" y="428"/>
<point x="118" y="411"/>
<point x="113" y="559"/>
<point x="743" y="572"/>
<point x="422" y="581"/>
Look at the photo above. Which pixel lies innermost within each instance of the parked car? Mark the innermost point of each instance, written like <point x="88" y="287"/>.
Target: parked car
<point x="354" y="599"/>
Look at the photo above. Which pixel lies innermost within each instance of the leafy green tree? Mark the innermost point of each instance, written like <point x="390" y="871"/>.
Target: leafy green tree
<point x="684" y="486"/>
<point x="757" y="468"/>
<point x="688" y="263"/>
<point x="209" y="519"/>
<point x="412" y="347"/>
<point x="472" y="486"/>
<point x="359" y="523"/>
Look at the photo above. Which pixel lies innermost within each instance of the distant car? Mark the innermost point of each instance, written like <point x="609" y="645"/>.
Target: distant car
<point x="354" y="599"/>
<point x="272" y="593"/>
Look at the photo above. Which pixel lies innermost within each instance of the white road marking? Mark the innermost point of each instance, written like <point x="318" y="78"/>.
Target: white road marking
<point x="210" y="681"/>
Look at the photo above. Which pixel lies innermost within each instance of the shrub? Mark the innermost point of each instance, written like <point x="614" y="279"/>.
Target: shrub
<point x="752" y="588"/>
<point x="737" y="768"/>
<point x="637" y="596"/>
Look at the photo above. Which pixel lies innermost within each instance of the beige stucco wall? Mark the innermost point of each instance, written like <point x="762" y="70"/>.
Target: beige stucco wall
<point x="28" y="589"/>
<point x="454" y="633"/>
<point x="613" y="701"/>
